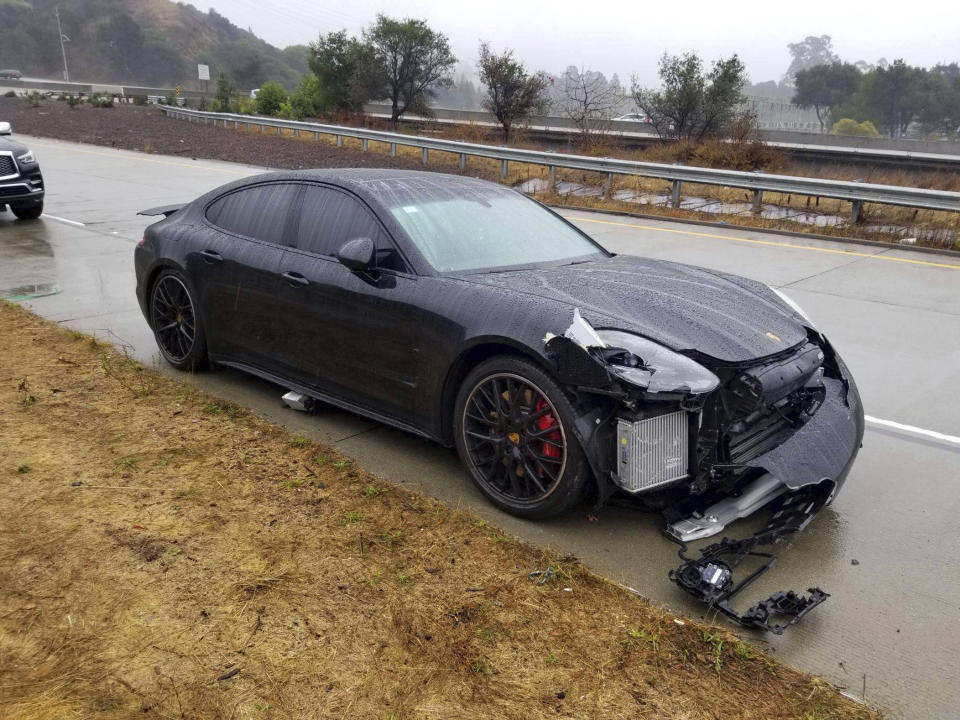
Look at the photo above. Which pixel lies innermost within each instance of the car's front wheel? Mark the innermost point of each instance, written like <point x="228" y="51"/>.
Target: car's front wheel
<point x="27" y="212"/>
<point x="176" y="322"/>
<point x="513" y="429"/>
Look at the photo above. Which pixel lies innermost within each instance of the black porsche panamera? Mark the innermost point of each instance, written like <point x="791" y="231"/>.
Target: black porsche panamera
<point x="465" y="312"/>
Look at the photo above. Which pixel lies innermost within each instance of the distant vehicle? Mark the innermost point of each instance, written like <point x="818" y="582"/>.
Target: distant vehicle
<point x="10" y="75"/>
<point x="21" y="184"/>
<point x="254" y="93"/>
<point x="633" y="117"/>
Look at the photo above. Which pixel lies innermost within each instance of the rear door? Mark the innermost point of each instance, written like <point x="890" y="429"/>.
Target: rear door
<point x="350" y="334"/>
<point x="238" y="261"/>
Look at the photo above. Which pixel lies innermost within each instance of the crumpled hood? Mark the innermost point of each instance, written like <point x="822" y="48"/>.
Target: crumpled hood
<point x="726" y="317"/>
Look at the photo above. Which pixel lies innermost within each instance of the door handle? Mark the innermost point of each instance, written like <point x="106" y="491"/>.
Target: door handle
<point x="295" y="278"/>
<point x="211" y="257"/>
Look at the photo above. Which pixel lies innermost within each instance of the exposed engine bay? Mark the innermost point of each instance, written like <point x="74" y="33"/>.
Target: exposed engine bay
<point x="706" y="443"/>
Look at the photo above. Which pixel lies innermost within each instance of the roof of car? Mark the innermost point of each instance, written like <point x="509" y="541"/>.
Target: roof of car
<point x="382" y="186"/>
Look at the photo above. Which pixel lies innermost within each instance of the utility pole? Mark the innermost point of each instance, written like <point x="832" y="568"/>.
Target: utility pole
<point x="63" y="51"/>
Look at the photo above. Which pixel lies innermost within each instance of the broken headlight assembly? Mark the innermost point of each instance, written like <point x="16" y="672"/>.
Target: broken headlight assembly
<point x="651" y="366"/>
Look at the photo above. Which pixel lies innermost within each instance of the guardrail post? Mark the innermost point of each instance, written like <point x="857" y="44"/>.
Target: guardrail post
<point x="552" y="172"/>
<point x="504" y="168"/>
<point x="757" y="200"/>
<point x="279" y="131"/>
<point x="393" y="149"/>
<point x="608" y="183"/>
<point x="463" y="161"/>
<point x="364" y="144"/>
<point x="339" y="140"/>
<point x="856" y="209"/>
<point x="296" y="132"/>
<point x="425" y="154"/>
<point x="236" y="124"/>
<point x="675" y="194"/>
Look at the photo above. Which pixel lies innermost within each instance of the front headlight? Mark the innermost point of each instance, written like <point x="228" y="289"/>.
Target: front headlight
<point x="793" y="306"/>
<point x="654" y="367"/>
<point x="27" y="158"/>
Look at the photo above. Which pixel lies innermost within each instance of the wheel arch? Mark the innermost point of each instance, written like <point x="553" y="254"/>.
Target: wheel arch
<point x="471" y="356"/>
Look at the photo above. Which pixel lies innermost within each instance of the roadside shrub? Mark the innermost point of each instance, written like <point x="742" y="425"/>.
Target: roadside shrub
<point x="73" y="101"/>
<point x="10" y="93"/>
<point x="139" y="99"/>
<point x="305" y="101"/>
<point x="171" y="98"/>
<point x="101" y="101"/>
<point x="748" y="156"/>
<point x="62" y="97"/>
<point x="270" y="98"/>
<point x="848" y="126"/>
<point x="33" y="98"/>
<point x="244" y="106"/>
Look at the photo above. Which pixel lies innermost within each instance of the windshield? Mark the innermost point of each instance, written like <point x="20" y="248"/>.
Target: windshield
<point x="489" y="228"/>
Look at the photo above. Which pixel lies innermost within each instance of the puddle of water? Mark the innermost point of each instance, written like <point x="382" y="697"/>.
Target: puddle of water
<point x="942" y="236"/>
<point x="26" y="292"/>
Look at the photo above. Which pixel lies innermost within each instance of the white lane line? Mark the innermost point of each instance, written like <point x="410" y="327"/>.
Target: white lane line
<point x="942" y="437"/>
<point x="64" y="220"/>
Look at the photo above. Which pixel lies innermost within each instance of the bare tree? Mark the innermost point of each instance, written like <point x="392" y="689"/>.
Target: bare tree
<point x="589" y="100"/>
<point x="512" y="94"/>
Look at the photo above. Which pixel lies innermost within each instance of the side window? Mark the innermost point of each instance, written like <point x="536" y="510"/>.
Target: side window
<point x="329" y="218"/>
<point x="258" y="212"/>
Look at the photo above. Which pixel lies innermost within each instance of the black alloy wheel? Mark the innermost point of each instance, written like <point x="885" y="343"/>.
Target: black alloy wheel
<point x="175" y="323"/>
<point x="513" y="435"/>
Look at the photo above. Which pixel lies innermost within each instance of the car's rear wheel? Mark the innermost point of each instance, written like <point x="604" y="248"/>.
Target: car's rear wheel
<point x="176" y="322"/>
<point x="514" y="432"/>
<point x="27" y="212"/>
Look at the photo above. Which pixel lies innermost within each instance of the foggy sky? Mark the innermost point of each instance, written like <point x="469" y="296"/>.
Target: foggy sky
<point x="627" y="38"/>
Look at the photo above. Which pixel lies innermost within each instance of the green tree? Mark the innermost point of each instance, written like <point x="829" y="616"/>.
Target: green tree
<point x="224" y="92"/>
<point x="412" y="61"/>
<point x="305" y="101"/>
<point x="823" y="87"/>
<point x="512" y="94"/>
<point x="271" y="98"/>
<point x="693" y="104"/>
<point x="940" y="107"/>
<point x="346" y="70"/>
<point x="892" y="96"/>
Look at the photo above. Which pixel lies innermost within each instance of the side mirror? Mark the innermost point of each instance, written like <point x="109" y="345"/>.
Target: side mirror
<point x="358" y="254"/>
<point x="5" y="128"/>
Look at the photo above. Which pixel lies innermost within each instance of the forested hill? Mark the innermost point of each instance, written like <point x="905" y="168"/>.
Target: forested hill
<point x="146" y="42"/>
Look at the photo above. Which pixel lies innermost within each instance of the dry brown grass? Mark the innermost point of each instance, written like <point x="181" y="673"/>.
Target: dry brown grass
<point x="167" y="554"/>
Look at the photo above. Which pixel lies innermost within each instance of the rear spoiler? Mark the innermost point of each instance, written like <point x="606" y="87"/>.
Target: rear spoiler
<point x="165" y="210"/>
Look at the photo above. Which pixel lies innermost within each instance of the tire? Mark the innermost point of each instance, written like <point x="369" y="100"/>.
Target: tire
<point x="523" y="456"/>
<point x="176" y="322"/>
<point x="27" y="212"/>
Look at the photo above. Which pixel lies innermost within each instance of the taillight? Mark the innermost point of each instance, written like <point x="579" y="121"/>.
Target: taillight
<point x="143" y="241"/>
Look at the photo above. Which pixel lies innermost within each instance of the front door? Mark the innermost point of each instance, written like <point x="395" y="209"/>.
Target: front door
<point x="354" y="335"/>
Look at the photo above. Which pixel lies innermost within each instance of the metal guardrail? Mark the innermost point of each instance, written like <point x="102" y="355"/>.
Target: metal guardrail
<point x="856" y="193"/>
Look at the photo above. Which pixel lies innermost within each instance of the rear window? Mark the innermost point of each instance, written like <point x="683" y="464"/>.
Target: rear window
<point x="258" y="212"/>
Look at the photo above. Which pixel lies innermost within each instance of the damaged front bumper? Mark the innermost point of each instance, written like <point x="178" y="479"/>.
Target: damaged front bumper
<point x="780" y="433"/>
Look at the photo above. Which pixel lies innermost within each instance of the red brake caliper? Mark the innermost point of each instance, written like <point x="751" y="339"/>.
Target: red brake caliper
<point x="547" y="421"/>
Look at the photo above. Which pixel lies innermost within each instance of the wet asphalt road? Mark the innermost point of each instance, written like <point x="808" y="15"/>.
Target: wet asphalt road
<point x="891" y="623"/>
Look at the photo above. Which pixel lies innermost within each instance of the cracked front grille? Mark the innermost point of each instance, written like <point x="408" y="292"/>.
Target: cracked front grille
<point x="7" y="166"/>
